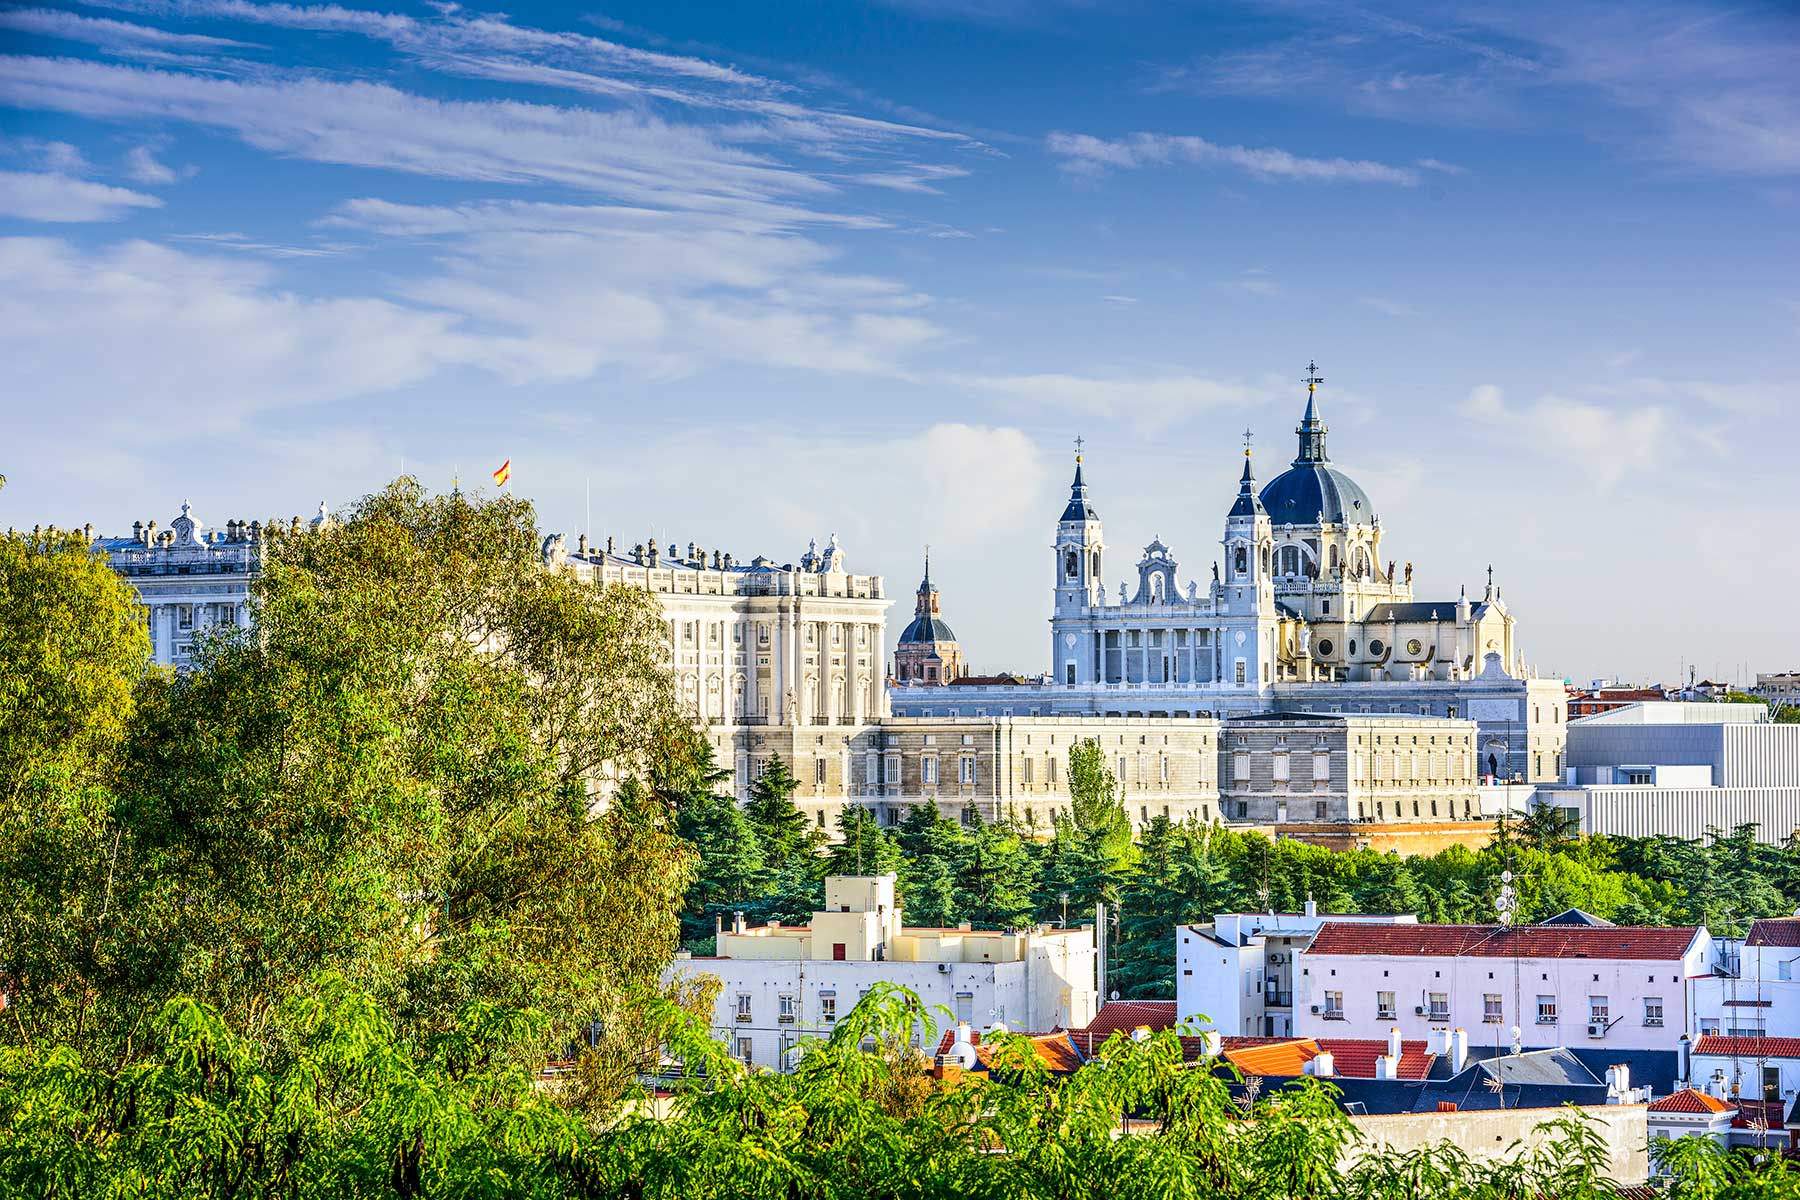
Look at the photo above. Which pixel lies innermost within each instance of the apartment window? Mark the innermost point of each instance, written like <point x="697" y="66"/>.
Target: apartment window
<point x="1243" y="810"/>
<point x="1546" y="1006"/>
<point x="890" y="768"/>
<point x="788" y="1008"/>
<point x="818" y="772"/>
<point x="966" y="771"/>
<point x="1384" y="1007"/>
<point x="1653" y="1010"/>
<point x="928" y="771"/>
<point x="965" y="1006"/>
<point x="1490" y="1010"/>
<point x="1319" y="810"/>
<point x="1597" y="1011"/>
<point x="1334" y="1006"/>
<point x="744" y="1054"/>
<point x="1439" y="1005"/>
<point x="1027" y="775"/>
<point x="1643" y="777"/>
<point x="1053" y="772"/>
<point x="828" y="1007"/>
<point x="743" y="1007"/>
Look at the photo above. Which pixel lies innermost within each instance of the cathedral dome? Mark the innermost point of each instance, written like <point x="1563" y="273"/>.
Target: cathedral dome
<point x="1312" y="491"/>
<point x="1315" y="493"/>
<point x="925" y="629"/>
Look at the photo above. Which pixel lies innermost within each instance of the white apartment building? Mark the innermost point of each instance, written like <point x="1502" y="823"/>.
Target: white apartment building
<point x="1236" y="974"/>
<point x="780" y="984"/>
<point x="1535" y="986"/>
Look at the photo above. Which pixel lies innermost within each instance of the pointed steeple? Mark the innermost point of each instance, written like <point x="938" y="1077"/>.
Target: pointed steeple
<point x="1312" y="429"/>
<point x="1248" y="504"/>
<point x="1079" y="509"/>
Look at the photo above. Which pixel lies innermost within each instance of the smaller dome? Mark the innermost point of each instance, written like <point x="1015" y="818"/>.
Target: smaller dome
<point x="925" y="630"/>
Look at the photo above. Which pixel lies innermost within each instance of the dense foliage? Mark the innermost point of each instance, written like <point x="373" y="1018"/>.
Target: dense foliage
<point x="956" y="868"/>
<point x="390" y="780"/>
<point x="337" y="1103"/>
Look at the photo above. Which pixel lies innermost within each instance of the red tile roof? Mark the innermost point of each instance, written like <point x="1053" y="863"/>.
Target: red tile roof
<point x="1774" y="931"/>
<point x="1054" y="1048"/>
<point x="1496" y="941"/>
<point x="1351" y="1058"/>
<point x="1689" y="1101"/>
<point x="1720" y="1046"/>
<point x="1126" y="1015"/>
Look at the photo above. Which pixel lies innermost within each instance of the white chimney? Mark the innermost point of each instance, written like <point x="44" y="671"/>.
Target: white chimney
<point x="1387" y="1067"/>
<point x="1312" y="910"/>
<point x="1211" y="1043"/>
<point x="1440" y="1041"/>
<point x="1459" y="1049"/>
<point x="1323" y="1065"/>
<point x="1394" y="1043"/>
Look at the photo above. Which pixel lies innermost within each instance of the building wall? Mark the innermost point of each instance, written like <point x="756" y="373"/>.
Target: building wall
<point x="1467" y="980"/>
<point x="1486" y="1136"/>
<point x="1643" y="811"/>
<point x="189" y="578"/>
<point x="1349" y="768"/>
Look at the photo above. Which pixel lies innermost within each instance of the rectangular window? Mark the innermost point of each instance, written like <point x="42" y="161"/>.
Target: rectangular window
<point x="1334" y="1006"/>
<point x="1439" y="1006"/>
<point x="1242" y="673"/>
<point x="1321" y="766"/>
<point x="1653" y="1010"/>
<point x="1384" y="1006"/>
<point x="928" y="771"/>
<point x="966" y="771"/>
<point x="1240" y="766"/>
<point x="965" y="1006"/>
<point x="1319" y="810"/>
<point x="743" y="1008"/>
<point x="1491" y="1013"/>
<point x="837" y="952"/>
<point x="1027" y="772"/>
<point x="1053" y="770"/>
<point x="828" y="1007"/>
<point x="744" y="1053"/>
<point x="871" y="768"/>
<point x="1280" y="762"/>
<point x="1597" y="1010"/>
<point x="818" y="772"/>
<point x="788" y="1008"/>
<point x="1163" y="767"/>
<point x="890" y="768"/>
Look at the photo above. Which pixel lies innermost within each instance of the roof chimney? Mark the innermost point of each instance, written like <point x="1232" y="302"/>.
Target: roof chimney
<point x="1459" y="1049"/>
<point x="1393" y="1048"/>
<point x="1323" y="1065"/>
<point x="1312" y="910"/>
<point x="1387" y="1067"/>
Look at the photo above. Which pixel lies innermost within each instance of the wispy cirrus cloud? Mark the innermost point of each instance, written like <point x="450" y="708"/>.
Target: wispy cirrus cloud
<point x="113" y="37"/>
<point x="53" y="197"/>
<point x="1084" y="154"/>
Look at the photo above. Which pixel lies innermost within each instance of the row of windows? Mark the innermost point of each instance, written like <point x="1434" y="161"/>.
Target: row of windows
<point x="687" y="633"/>
<point x="1493" y="1009"/>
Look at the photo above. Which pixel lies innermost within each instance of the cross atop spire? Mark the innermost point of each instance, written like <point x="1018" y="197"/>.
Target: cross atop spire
<point x="1248" y="438"/>
<point x="1079" y="442"/>
<point x="1313" y="378"/>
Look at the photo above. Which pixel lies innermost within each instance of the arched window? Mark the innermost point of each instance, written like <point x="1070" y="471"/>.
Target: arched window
<point x="1096" y="571"/>
<point x="1243" y="561"/>
<point x="1334" y="558"/>
<point x="1071" y="565"/>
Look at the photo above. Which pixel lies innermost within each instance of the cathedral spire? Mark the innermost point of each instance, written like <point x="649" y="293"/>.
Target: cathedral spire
<point x="1248" y="505"/>
<point x="1312" y="429"/>
<point x="1079" y="509"/>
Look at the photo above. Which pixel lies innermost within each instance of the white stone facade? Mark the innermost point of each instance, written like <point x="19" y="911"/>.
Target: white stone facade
<point x="780" y="984"/>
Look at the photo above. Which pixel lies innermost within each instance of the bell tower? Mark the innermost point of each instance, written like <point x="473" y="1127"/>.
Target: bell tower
<point x="1079" y="551"/>
<point x="1245" y="595"/>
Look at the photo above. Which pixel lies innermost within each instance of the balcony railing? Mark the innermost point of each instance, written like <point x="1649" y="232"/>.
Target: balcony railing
<point x="1275" y="999"/>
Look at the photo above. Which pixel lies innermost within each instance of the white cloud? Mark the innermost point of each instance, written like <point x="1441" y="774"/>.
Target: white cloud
<point x="1149" y="403"/>
<point x="142" y="165"/>
<point x="1603" y="443"/>
<point x="49" y="196"/>
<point x="1084" y="154"/>
<point x="112" y="36"/>
<point x="1387" y="307"/>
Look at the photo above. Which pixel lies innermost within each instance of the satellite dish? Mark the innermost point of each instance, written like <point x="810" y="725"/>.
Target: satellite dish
<point x="1115" y="994"/>
<point x="1506" y="877"/>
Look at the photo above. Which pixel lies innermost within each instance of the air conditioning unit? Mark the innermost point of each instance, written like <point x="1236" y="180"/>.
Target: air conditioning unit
<point x="1596" y="1028"/>
<point x="943" y="968"/>
<point x="1418" y="1010"/>
<point x="1315" y="1009"/>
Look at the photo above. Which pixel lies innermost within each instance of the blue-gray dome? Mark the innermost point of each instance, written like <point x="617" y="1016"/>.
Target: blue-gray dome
<point x="1312" y="491"/>
<point x="925" y="629"/>
<point x="1316" y="493"/>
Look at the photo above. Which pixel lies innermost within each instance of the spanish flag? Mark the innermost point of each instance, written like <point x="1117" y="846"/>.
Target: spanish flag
<point x="503" y="474"/>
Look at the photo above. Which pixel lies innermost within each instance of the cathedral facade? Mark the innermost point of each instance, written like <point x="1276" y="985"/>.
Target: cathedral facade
<point x="1304" y="612"/>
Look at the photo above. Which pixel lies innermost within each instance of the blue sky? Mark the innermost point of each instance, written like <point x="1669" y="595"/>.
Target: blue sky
<point x="751" y="274"/>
